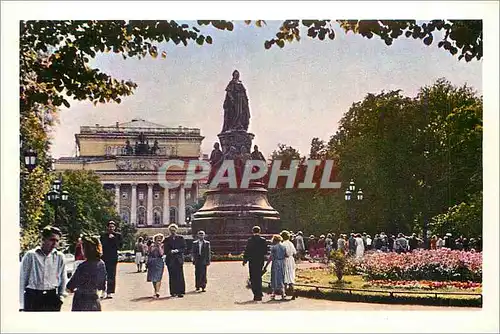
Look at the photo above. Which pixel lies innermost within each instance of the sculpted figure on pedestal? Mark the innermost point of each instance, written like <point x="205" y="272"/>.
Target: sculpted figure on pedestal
<point x="236" y="109"/>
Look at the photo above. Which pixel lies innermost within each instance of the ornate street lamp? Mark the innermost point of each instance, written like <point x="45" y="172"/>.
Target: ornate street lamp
<point x="349" y="196"/>
<point x="30" y="159"/>
<point x="57" y="197"/>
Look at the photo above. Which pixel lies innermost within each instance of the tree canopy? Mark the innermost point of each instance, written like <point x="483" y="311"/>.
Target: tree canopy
<point x="416" y="159"/>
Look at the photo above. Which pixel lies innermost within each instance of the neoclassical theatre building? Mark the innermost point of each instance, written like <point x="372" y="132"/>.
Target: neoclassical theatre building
<point x="126" y="156"/>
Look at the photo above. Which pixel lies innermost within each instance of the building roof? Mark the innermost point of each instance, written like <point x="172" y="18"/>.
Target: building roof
<point x="140" y="123"/>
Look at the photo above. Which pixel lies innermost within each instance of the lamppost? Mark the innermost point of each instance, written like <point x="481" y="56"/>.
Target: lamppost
<point x="351" y="197"/>
<point x="30" y="159"/>
<point x="57" y="197"/>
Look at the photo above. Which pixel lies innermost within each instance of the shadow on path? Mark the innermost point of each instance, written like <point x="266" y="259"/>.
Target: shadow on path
<point x="247" y="302"/>
<point x="150" y="298"/>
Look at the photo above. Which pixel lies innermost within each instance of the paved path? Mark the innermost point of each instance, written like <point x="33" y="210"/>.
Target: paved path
<point x="225" y="291"/>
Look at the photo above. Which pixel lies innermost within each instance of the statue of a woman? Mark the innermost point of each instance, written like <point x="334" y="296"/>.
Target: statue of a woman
<point x="236" y="110"/>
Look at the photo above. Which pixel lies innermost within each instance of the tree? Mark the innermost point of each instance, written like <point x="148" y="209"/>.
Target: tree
<point x="465" y="36"/>
<point x="88" y="209"/>
<point x="413" y="157"/>
<point x="464" y="219"/>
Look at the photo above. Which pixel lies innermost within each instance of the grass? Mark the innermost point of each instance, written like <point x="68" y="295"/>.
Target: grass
<point x="325" y="278"/>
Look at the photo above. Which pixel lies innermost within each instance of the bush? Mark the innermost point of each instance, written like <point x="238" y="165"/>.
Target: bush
<point x="339" y="263"/>
<point x="431" y="265"/>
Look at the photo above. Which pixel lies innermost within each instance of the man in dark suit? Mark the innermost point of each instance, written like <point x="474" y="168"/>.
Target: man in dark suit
<point x="111" y="242"/>
<point x="255" y="253"/>
<point x="201" y="254"/>
<point x="174" y="246"/>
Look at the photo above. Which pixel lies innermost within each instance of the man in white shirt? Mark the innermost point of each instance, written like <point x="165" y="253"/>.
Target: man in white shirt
<point x="43" y="275"/>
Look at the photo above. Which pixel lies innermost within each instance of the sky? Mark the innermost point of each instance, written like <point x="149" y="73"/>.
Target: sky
<point x="295" y="93"/>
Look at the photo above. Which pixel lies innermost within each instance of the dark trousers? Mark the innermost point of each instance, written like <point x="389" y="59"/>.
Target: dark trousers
<point x="111" y="275"/>
<point x="255" y="268"/>
<point x="176" y="282"/>
<point x="42" y="301"/>
<point x="200" y="275"/>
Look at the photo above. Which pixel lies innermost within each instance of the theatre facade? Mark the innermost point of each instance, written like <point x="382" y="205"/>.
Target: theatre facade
<point x="126" y="157"/>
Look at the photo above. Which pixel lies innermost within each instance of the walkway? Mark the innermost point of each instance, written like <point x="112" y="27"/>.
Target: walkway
<point x="225" y="291"/>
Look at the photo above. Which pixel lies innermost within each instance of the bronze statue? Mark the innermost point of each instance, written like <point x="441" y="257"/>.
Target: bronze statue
<point x="155" y="148"/>
<point x="236" y="109"/>
<point x="128" y="148"/>
<point x="216" y="158"/>
<point x="257" y="155"/>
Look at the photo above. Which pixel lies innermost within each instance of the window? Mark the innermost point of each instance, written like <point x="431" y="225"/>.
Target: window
<point x="172" y="195"/>
<point x="157" y="216"/>
<point x="124" y="195"/>
<point x="157" y="195"/>
<point x="173" y="215"/>
<point x="141" y="196"/>
<point x="188" y="195"/>
<point x="141" y="216"/>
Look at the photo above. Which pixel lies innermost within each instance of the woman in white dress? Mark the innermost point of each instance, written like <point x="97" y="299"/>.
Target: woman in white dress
<point x="291" y="252"/>
<point x="360" y="247"/>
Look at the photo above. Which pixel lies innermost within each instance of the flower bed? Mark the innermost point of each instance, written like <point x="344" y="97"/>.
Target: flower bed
<point x="426" y="285"/>
<point x="226" y="257"/>
<point x="428" y="265"/>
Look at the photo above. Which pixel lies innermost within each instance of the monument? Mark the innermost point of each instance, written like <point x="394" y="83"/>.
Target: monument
<point x="229" y="214"/>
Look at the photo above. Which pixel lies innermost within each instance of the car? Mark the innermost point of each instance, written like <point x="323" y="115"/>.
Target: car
<point x="69" y="261"/>
<point x="126" y="256"/>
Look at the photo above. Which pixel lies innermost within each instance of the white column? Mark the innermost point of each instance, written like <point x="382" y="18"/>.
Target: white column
<point x="133" y="205"/>
<point x="196" y="190"/>
<point x="166" y="206"/>
<point x="117" y="197"/>
<point x="182" y="205"/>
<point x="150" y="205"/>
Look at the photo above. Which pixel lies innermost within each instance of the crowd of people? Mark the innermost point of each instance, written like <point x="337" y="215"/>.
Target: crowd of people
<point x="44" y="282"/>
<point x="357" y="244"/>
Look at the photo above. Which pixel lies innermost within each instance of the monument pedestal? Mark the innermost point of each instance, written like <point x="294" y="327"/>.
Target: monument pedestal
<point x="229" y="215"/>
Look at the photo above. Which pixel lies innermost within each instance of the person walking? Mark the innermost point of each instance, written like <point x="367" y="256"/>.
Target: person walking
<point x="278" y="255"/>
<point x="111" y="243"/>
<point x="360" y="246"/>
<point x="254" y="255"/>
<point x="89" y="278"/>
<point x="155" y="264"/>
<point x="43" y="275"/>
<point x="291" y="252"/>
<point x="139" y="254"/>
<point x="352" y="244"/>
<point x="301" y="246"/>
<point x="201" y="254"/>
<point x="174" y="247"/>
<point x="312" y="248"/>
<point x="401" y="244"/>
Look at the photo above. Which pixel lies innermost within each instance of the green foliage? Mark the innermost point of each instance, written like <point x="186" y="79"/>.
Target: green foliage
<point x="464" y="36"/>
<point x="339" y="260"/>
<point x="413" y="157"/>
<point x="88" y="209"/>
<point x="461" y="219"/>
